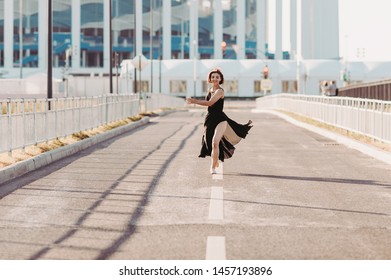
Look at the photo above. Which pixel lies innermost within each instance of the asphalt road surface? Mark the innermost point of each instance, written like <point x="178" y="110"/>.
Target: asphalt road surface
<point x="287" y="193"/>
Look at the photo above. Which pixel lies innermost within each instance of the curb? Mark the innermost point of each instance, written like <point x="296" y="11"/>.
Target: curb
<point x="354" y="144"/>
<point x="20" y="168"/>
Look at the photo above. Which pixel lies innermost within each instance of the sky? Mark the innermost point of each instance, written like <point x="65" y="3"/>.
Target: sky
<point x="365" y="29"/>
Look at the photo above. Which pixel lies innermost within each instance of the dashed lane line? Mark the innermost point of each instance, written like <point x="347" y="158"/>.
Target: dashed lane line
<point x="215" y="245"/>
<point x="216" y="206"/>
<point x="215" y="248"/>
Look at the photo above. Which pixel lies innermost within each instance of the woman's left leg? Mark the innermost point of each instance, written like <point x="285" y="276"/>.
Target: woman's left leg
<point x="219" y="132"/>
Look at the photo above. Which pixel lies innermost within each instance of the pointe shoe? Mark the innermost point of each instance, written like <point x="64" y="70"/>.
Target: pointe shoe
<point x="213" y="171"/>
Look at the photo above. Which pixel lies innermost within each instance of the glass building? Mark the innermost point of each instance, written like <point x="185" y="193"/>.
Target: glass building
<point x="159" y="29"/>
<point x="166" y="29"/>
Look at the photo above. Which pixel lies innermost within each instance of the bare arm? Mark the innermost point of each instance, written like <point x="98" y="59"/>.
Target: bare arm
<point x="215" y="97"/>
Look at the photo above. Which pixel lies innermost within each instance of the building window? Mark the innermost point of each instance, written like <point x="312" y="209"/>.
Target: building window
<point x="91" y="33"/>
<point x="251" y="29"/>
<point x="25" y="16"/>
<point x="230" y="86"/>
<point x="205" y="29"/>
<point x="178" y="86"/>
<point x="153" y="13"/>
<point x="257" y="87"/>
<point x="62" y="39"/>
<point x="180" y="29"/>
<point x="229" y="28"/>
<point x="2" y="36"/>
<point x="289" y="86"/>
<point x="123" y="29"/>
<point x="144" y="86"/>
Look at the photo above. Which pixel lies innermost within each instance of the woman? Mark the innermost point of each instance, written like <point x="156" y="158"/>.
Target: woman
<point x="220" y="132"/>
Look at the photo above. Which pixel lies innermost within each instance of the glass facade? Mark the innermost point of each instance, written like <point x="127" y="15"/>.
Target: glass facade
<point x="251" y="29"/>
<point x="205" y="29"/>
<point x="229" y="28"/>
<point x="123" y="25"/>
<point x="180" y="29"/>
<point x="1" y="34"/>
<point x="91" y="33"/>
<point x="62" y="30"/>
<point x="25" y="33"/>
<point x="216" y="23"/>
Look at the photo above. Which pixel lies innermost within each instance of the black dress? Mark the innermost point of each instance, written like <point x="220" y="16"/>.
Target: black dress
<point x="232" y="135"/>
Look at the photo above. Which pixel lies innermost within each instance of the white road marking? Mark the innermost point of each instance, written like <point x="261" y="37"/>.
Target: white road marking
<point x="216" y="206"/>
<point x="215" y="248"/>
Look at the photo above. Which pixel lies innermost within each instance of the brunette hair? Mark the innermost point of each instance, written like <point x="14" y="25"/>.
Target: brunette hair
<point x="218" y="72"/>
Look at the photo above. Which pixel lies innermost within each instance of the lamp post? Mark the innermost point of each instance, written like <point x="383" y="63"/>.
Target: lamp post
<point x="139" y="62"/>
<point x="21" y="38"/>
<point x="134" y="42"/>
<point x="160" y="47"/>
<point x="298" y="73"/>
<point x="139" y="71"/>
<point x="50" y="52"/>
<point x="193" y="13"/>
<point x="150" y="40"/>
<point x="116" y="68"/>
<point x="68" y="53"/>
<point x="110" y="48"/>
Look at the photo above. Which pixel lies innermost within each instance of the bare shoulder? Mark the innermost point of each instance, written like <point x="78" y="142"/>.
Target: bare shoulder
<point x="219" y="92"/>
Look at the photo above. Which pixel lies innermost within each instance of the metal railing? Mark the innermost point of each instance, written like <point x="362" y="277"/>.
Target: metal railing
<point x="365" y="116"/>
<point x="25" y="122"/>
<point x="380" y="90"/>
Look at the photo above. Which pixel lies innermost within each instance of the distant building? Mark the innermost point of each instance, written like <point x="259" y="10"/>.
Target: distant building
<point x="181" y="29"/>
<point x="320" y="29"/>
<point x="185" y="38"/>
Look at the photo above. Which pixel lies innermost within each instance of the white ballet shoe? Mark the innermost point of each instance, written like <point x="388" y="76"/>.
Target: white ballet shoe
<point x="213" y="171"/>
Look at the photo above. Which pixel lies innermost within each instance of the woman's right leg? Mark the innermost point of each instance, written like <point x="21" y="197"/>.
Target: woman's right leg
<point x="219" y="132"/>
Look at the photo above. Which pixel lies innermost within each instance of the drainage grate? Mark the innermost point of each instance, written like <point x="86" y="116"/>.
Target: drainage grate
<point x="331" y="144"/>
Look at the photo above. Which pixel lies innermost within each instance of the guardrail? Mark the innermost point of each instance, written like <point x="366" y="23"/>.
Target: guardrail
<point x="25" y="122"/>
<point x="365" y="116"/>
<point x="380" y="90"/>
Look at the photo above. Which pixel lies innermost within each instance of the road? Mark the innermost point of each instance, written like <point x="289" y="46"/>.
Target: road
<point x="287" y="193"/>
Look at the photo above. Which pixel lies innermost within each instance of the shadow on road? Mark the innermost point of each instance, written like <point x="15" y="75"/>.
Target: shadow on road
<point x="314" y="179"/>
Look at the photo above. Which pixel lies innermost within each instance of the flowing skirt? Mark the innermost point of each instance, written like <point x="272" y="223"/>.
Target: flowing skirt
<point x="232" y="135"/>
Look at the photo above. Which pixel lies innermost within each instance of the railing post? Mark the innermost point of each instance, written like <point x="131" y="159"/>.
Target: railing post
<point x="107" y="108"/>
<point x="91" y="112"/>
<point x="35" y="122"/>
<point x="358" y="104"/>
<point x="9" y="127"/>
<point x="46" y="119"/>
<point x="24" y="125"/>
<point x="79" y="108"/>
<point x="55" y="103"/>
<point x="382" y="120"/>
<point x="374" y="103"/>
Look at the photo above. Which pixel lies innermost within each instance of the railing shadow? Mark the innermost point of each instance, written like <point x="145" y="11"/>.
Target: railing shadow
<point x="142" y="197"/>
